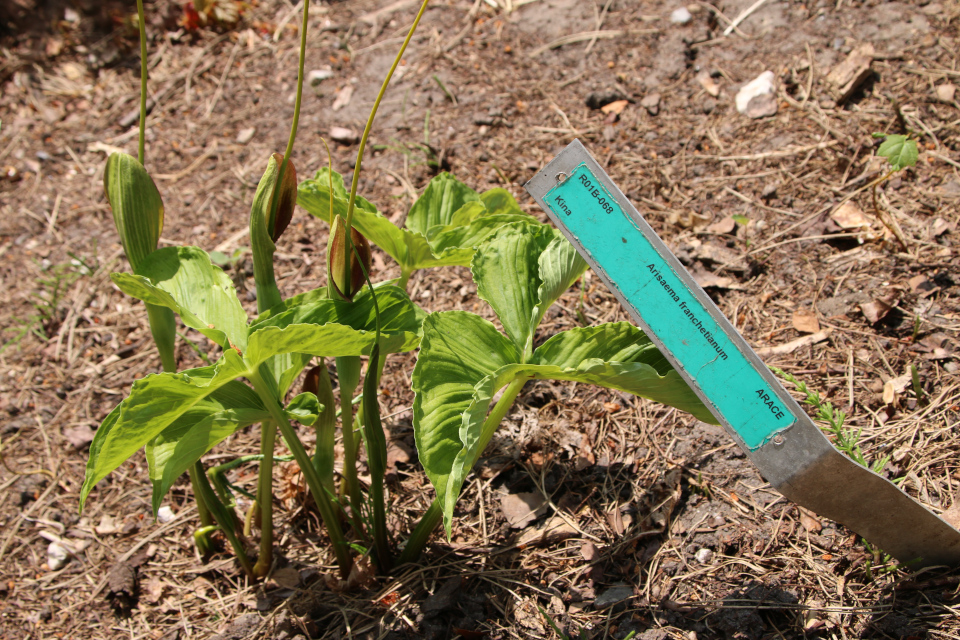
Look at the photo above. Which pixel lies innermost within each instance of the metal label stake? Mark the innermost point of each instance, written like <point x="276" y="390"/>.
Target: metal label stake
<point x="775" y="432"/>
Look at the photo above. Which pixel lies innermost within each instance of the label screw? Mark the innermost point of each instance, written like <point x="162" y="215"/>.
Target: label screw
<point x="778" y="440"/>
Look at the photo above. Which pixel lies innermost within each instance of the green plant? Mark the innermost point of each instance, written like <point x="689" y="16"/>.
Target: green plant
<point x="846" y="440"/>
<point x="901" y="152"/>
<point x="464" y="361"/>
<point x="178" y="417"/>
<point x="443" y="226"/>
<point x="51" y="288"/>
<point x="520" y="267"/>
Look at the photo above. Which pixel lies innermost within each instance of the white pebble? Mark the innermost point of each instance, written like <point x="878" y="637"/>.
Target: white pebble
<point x="681" y="16"/>
<point x="704" y="556"/>
<point x="761" y="85"/>
<point x="165" y="514"/>
<point x="57" y="556"/>
<point x="317" y="76"/>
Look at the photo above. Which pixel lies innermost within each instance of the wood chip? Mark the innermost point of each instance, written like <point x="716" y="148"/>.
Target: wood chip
<point x="892" y="387"/>
<point x="617" y="106"/>
<point x="849" y="216"/>
<point x="790" y="347"/>
<point x="520" y="509"/>
<point x="555" y="530"/>
<point x="708" y="83"/>
<point x="809" y="521"/>
<point x="877" y="309"/>
<point x="847" y="76"/>
<point x="805" y="321"/>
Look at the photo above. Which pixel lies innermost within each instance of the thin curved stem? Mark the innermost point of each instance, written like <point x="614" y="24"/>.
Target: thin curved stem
<point x="366" y="134"/>
<point x="327" y="512"/>
<point x="275" y="202"/>
<point x="268" y="435"/>
<point x="141" y="148"/>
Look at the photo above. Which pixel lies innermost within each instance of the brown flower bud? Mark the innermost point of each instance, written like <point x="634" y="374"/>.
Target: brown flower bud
<point x="336" y="251"/>
<point x="311" y="381"/>
<point x="288" y="199"/>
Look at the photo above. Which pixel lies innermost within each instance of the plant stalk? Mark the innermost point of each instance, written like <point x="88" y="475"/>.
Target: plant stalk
<point x="142" y="144"/>
<point x="433" y="516"/>
<point x="268" y="435"/>
<point x="325" y="426"/>
<point x="327" y="512"/>
<point x="376" y="444"/>
<point x="227" y="523"/>
<point x="196" y="472"/>
<point x="348" y="370"/>
<point x="366" y="134"/>
<point x="404" y="277"/>
<point x="275" y="202"/>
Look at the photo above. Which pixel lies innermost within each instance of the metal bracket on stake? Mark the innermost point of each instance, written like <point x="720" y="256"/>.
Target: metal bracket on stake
<point x="746" y="398"/>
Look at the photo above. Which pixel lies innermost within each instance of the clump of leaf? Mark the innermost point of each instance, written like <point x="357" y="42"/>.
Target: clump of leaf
<point x="179" y="417"/>
<point x="900" y="151"/>
<point x="464" y="360"/>
<point x="443" y="226"/>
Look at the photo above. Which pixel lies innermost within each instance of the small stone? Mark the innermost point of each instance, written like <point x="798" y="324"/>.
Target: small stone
<point x="57" y="556"/>
<point x="704" y="556"/>
<point x="681" y="16"/>
<point x="946" y="92"/>
<point x="762" y="93"/>
<point x="769" y="191"/>
<point x="762" y="106"/>
<point x="246" y="135"/>
<point x="165" y="514"/>
<point x="651" y="102"/>
<point x="343" y="135"/>
<point x="709" y="104"/>
<point x="317" y="76"/>
<point x="343" y="98"/>
<point x="612" y="596"/>
<point x="107" y="526"/>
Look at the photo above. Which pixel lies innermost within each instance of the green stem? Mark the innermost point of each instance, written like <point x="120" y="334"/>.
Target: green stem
<point x="196" y="472"/>
<point x="433" y="516"/>
<point x="376" y="443"/>
<point x="141" y="148"/>
<point x="366" y="134"/>
<point x="327" y="512"/>
<point x="296" y="112"/>
<point x="325" y="426"/>
<point x="348" y="370"/>
<point x="163" y="327"/>
<point x="404" y="277"/>
<point x="227" y="523"/>
<point x="268" y="435"/>
<point x="223" y="486"/>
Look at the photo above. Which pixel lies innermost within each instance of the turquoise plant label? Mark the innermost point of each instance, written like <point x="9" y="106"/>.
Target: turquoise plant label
<point x="709" y="358"/>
